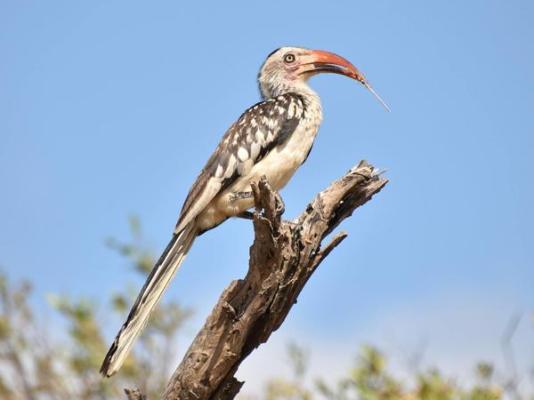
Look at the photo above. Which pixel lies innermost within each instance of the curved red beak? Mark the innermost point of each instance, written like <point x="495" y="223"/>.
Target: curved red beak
<point x="323" y="61"/>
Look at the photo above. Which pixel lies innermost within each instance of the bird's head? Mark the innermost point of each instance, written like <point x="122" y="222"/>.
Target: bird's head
<point x="290" y="67"/>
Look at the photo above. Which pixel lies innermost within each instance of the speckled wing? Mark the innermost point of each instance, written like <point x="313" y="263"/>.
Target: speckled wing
<point x="259" y="129"/>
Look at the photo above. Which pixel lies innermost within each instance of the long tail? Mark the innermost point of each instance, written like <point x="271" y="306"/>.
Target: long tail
<point x="155" y="285"/>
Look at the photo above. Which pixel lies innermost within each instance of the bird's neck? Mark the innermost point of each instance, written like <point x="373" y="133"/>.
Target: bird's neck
<point x="310" y="97"/>
<point x="271" y="89"/>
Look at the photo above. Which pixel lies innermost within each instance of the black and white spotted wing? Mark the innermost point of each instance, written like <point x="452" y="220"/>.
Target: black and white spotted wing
<point x="259" y="129"/>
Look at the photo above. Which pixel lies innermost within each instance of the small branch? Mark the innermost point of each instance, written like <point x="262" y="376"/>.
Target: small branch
<point x="329" y="247"/>
<point x="282" y="258"/>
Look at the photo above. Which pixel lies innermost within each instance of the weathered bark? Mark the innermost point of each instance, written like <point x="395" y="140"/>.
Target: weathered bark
<point x="282" y="258"/>
<point x="134" y="394"/>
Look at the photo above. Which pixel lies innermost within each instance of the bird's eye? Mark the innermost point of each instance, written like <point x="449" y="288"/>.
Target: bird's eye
<point x="289" y="58"/>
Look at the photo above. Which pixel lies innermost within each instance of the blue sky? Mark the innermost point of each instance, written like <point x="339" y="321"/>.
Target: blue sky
<point x="110" y="108"/>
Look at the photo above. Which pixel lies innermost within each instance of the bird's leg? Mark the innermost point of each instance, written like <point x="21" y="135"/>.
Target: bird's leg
<point x="240" y="195"/>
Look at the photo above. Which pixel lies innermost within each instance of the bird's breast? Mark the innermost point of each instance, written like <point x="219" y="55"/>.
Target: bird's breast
<point x="278" y="166"/>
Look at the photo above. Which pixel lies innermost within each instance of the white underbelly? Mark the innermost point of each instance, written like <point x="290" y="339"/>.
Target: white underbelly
<point x="278" y="167"/>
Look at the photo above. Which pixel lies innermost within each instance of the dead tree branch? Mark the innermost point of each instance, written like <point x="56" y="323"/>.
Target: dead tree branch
<point x="282" y="258"/>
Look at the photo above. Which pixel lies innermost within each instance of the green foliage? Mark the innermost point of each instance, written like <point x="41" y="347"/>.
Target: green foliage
<point x="279" y="388"/>
<point x="33" y="366"/>
<point x="370" y="379"/>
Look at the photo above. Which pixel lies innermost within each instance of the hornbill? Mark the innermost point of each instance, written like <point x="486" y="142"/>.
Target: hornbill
<point x="272" y="139"/>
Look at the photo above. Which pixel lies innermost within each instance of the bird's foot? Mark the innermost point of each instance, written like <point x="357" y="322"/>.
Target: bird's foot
<point x="280" y="206"/>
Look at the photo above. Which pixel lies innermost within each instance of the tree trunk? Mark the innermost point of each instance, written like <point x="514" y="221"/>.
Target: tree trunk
<point x="282" y="258"/>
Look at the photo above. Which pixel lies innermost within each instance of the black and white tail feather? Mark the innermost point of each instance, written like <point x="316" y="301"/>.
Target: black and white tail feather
<point x="155" y="285"/>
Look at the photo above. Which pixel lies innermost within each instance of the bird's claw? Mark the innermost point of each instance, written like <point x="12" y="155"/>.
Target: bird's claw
<point x="280" y="206"/>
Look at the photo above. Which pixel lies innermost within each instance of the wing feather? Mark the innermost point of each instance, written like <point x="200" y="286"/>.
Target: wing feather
<point x="259" y="129"/>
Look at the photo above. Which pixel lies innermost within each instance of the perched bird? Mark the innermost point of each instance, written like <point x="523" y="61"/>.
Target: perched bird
<point x="272" y="139"/>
